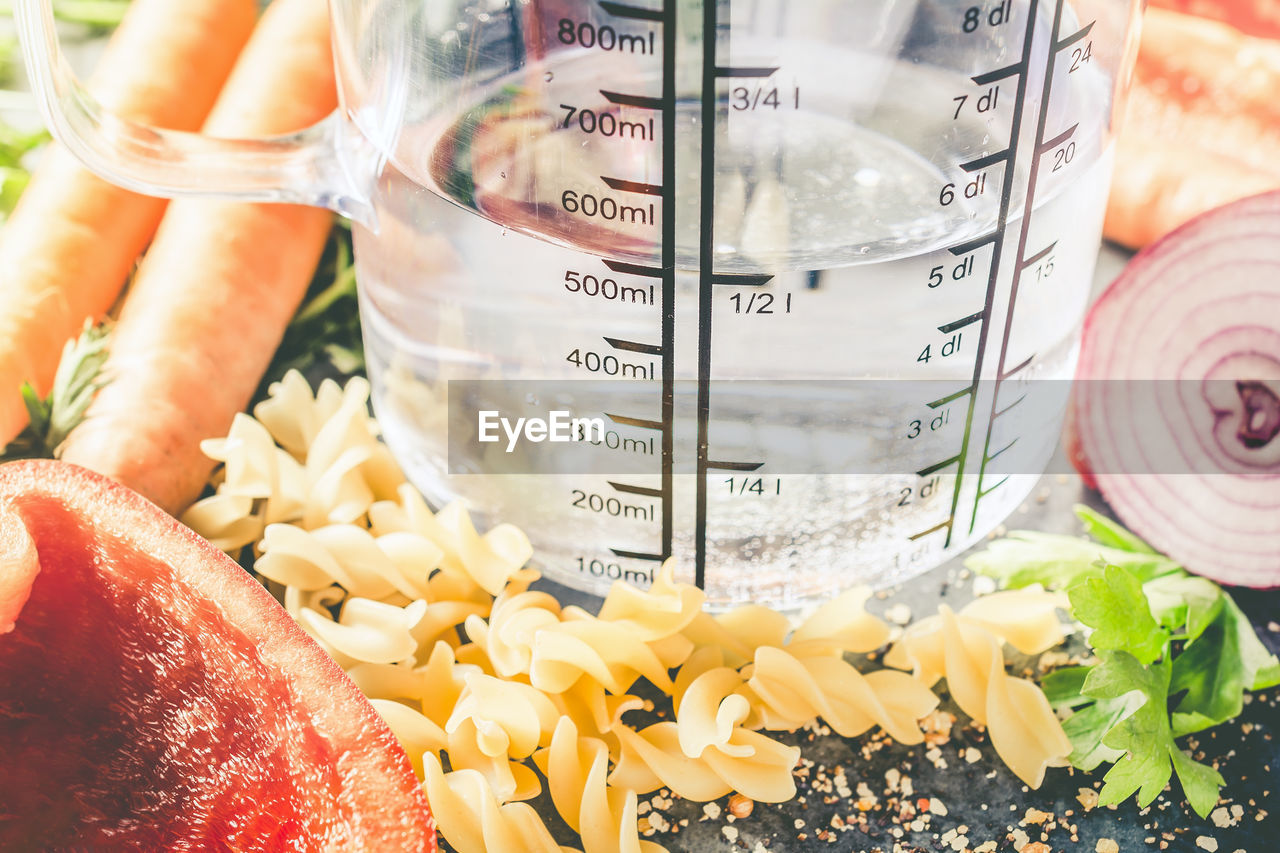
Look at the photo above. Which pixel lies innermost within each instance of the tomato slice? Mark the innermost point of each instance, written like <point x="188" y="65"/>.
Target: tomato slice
<point x="153" y="696"/>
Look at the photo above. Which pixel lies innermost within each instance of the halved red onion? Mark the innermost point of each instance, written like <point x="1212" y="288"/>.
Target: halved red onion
<point x="1176" y="406"/>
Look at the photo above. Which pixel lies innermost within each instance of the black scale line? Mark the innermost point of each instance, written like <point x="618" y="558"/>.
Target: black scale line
<point x="622" y="10"/>
<point x="956" y="325"/>
<point x="1018" y="368"/>
<point x="966" y="248"/>
<point x="641" y="423"/>
<point x="634" y="346"/>
<point x="639" y="187"/>
<point x="1073" y="38"/>
<point x="735" y="466"/>
<point x="1009" y="407"/>
<point x="1023" y="234"/>
<point x="706" y="260"/>
<point x="634" y="269"/>
<point x="741" y="279"/>
<point x="996" y="239"/>
<point x="984" y="162"/>
<point x="942" y="401"/>
<point x="1040" y="255"/>
<point x="637" y="555"/>
<point x="668" y="268"/>
<point x="666" y="16"/>
<point x="629" y="489"/>
<point x="643" y="102"/>
<point x="739" y="71"/>
<point x="1059" y="139"/>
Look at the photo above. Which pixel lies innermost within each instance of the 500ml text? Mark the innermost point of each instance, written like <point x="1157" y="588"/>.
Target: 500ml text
<point x="558" y="427"/>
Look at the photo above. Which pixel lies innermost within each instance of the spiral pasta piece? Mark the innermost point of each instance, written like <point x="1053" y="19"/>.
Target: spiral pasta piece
<point x="516" y="718"/>
<point x="709" y="713"/>
<point x="1024" y="618"/>
<point x="652" y="758"/>
<point x="473" y="820"/>
<point x="842" y="624"/>
<point x="508" y="636"/>
<point x="489" y="561"/>
<point x="604" y="816"/>
<point x="658" y="613"/>
<point x="366" y="631"/>
<point x="791" y="691"/>
<point x="1023" y="729"/>
<point x="417" y="734"/>
<point x="609" y="652"/>
<point x="594" y="712"/>
<point x="293" y="414"/>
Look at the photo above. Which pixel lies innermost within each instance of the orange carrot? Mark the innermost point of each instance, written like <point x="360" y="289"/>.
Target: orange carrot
<point x="72" y="241"/>
<point x="1202" y="127"/>
<point x="218" y="286"/>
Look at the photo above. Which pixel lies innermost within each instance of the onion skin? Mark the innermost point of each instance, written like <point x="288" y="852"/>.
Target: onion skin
<point x="1176" y="407"/>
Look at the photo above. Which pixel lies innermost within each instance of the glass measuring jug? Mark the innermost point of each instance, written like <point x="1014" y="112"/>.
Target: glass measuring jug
<point x="790" y="280"/>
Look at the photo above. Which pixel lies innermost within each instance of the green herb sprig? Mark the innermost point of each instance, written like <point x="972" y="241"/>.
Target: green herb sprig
<point x="51" y="418"/>
<point x="1175" y="655"/>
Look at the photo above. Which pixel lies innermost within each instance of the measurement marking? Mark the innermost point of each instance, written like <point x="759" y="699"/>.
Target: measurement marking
<point x="634" y="269"/>
<point x="933" y="469"/>
<point x="984" y="492"/>
<point x="634" y="346"/>
<point x="1040" y="255"/>
<point x="632" y="186"/>
<point x="923" y="533"/>
<point x="813" y="279"/>
<point x="951" y="397"/>
<point x="706" y="263"/>
<point x="642" y="101"/>
<point x="1023" y="233"/>
<point x="636" y="490"/>
<point x="997" y="249"/>
<point x="1003" y="73"/>
<point x="624" y="420"/>
<point x="948" y="328"/>
<point x="966" y="248"/>
<point x="637" y="555"/>
<point x="740" y="279"/>
<point x="1059" y="139"/>
<point x="669" y="34"/>
<point x="621" y="10"/>
<point x="743" y="71"/>
<point x="1074" y="37"/>
<point x="735" y="466"/>
<point x="984" y="162"/>
<point x="991" y="457"/>
<point x="1008" y="407"/>
<point x="1020" y="367"/>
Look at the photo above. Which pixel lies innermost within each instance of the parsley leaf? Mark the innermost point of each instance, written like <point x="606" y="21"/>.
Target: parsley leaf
<point x="1114" y="606"/>
<point x="1145" y="736"/>
<point x="1165" y="639"/>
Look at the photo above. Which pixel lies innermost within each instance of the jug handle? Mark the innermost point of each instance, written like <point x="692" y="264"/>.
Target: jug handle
<point x="319" y="166"/>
